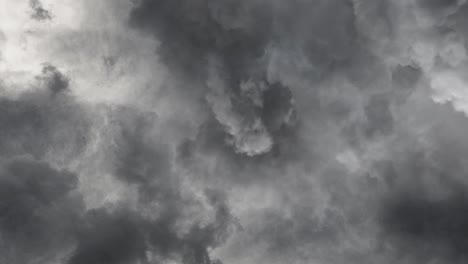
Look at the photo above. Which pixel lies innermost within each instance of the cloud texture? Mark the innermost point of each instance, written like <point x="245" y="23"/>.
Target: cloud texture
<point x="233" y="131"/>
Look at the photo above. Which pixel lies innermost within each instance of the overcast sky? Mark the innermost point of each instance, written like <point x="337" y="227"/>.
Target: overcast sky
<point x="233" y="131"/>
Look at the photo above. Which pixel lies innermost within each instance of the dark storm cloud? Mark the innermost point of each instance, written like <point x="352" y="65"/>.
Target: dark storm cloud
<point x="315" y="118"/>
<point x="423" y="211"/>
<point x="190" y="30"/>
<point x="109" y="238"/>
<point x="41" y="120"/>
<point x="42" y="217"/>
<point x="326" y="40"/>
<point x="128" y="235"/>
<point x="192" y="246"/>
<point x="240" y="31"/>
<point x="379" y="116"/>
<point x="39" y="12"/>
<point x="224" y="45"/>
<point x="38" y="210"/>
<point x="286" y="235"/>
<point x="439" y="5"/>
<point x="433" y="229"/>
<point x="237" y="168"/>
<point x="405" y="77"/>
<point x="450" y="17"/>
<point x="385" y="91"/>
<point x="140" y="158"/>
<point x="254" y="130"/>
<point x="40" y="207"/>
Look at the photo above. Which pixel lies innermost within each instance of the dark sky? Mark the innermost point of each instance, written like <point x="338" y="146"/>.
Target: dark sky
<point x="233" y="131"/>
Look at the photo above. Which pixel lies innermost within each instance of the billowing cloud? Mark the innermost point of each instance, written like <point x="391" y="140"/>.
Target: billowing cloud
<point x="207" y="132"/>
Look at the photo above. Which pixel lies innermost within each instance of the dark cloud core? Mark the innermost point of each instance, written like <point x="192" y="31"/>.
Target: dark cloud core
<point x="233" y="131"/>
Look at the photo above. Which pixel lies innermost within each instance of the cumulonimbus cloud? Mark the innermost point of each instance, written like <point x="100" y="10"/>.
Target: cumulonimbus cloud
<point x="263" y="131"/>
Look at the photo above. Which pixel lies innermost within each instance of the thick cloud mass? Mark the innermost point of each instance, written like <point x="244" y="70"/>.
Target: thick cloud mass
<point x="37" y="210"/>
<point x="43" y="121"/>
<point x="233" y="131"/>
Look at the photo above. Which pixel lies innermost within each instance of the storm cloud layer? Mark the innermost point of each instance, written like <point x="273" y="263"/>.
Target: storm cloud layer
<point x="233" y="131"/>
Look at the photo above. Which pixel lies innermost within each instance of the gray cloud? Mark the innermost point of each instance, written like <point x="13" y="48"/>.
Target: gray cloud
<point x="40" y="121"/>
<point x="224" y="46"/>
<point x="234" y="132"/>
<point x="38" y="210"/>
<point x="432" y="229"/>
<point x="422" y="207"/>
<point x="108" y="238"/>
<point x="43" y="216"/>
<point x="39" y="12"/>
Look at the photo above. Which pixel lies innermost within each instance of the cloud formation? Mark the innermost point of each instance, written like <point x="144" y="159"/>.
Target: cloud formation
<point x="208" y="132"/>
